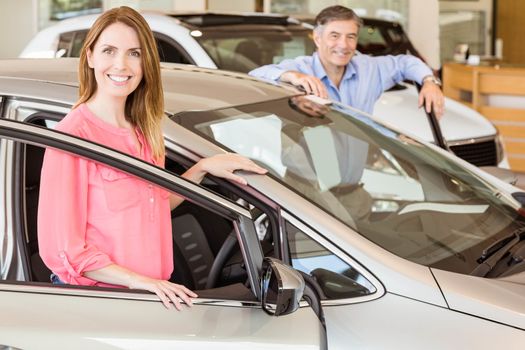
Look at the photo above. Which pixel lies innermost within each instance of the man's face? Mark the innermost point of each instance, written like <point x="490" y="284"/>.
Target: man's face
<point x="337" y="42"/>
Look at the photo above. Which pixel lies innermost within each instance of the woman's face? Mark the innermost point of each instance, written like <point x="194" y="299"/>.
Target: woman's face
<point x="116" y="60"/>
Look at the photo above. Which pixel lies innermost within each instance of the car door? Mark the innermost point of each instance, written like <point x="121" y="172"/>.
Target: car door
<point x="39" y="315"/>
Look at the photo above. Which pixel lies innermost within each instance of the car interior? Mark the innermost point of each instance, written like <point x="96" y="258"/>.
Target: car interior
<point x="207" y="257"/>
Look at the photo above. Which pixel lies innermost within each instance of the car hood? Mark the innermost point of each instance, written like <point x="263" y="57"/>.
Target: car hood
<point x="398" y="108"/>
<point x="501" y="300"/>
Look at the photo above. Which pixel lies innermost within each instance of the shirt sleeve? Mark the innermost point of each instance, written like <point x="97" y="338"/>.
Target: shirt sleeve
<point x="395" y="69"/>
<point x="272" y="72"/>
<point x="62" y="219"/>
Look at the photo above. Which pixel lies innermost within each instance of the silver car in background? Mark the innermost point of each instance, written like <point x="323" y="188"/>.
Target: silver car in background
<point x="399" y="245"/>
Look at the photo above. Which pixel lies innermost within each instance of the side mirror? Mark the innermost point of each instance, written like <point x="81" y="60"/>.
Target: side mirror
<point x="282" y="288"/>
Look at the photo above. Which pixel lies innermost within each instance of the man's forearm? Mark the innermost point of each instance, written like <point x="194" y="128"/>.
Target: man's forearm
<point x="269" y="72"/>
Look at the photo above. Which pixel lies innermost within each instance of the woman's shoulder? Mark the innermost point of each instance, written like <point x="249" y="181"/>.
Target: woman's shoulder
<point x="74" y="122"/>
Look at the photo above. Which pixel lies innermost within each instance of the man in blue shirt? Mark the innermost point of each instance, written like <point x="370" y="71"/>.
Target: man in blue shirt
<point x="338" y="72"/>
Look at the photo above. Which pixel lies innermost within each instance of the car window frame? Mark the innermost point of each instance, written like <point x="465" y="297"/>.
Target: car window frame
<point x="339" y="253"/>
<point x="21" y="132"/>
<point x="31" y="110"/>
<point x="176" y="45"/>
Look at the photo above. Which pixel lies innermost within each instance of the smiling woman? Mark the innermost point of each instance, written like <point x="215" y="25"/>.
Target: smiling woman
<point x="117" y="47"/>
<point x="96" y="225"/>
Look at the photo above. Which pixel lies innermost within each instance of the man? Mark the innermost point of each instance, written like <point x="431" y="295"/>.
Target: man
<point x="338" y="72"/>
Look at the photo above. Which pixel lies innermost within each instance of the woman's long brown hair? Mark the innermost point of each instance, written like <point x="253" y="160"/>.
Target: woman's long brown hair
<point x="145" y="105"/>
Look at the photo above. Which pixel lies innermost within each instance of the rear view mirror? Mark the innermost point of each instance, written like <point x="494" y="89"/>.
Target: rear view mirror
<point x="282" y="287"/>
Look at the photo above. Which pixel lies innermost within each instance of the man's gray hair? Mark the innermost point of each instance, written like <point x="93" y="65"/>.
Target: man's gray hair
<point x="335" y="13"/>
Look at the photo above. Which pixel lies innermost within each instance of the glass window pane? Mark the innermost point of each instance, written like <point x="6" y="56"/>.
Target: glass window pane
<point x="461" y="27"/>
<point x="392" y="10"/>
<point x="245" y="51"/>
<point x="78" y="42"/>
<point x="398" y="193"/>
<point x="336" y="278"/>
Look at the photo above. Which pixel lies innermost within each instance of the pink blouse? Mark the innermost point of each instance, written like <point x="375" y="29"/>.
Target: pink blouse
<point x="91" y="215"/>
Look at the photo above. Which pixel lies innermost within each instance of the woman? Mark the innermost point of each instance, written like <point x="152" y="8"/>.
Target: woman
<point x="99" y="226"/>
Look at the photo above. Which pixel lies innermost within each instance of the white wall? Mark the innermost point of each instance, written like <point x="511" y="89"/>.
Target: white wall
<point x="17" y="26"/>
<point x="423" y="30"/>
<point x="232" y="5"/>
<point x="185" y="5"/>
<point x="160" y="5"/>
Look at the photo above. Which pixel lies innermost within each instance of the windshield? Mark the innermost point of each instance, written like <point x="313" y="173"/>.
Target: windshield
<point x="243" y="50"/>
<point x="395" y="191"/>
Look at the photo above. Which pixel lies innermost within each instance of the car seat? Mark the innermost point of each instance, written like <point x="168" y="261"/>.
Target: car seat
<point x="198" y="236"/>
<point x="250" y="50"/>
<point x="192" y="255"/>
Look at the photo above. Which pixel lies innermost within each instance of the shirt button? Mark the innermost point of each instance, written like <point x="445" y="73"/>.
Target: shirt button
<point x="151" y="200"/>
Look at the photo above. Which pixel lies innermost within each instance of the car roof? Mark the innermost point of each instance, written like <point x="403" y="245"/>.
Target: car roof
<point x="186" y="87"/>
<point x="191" y="20"/>
<point x="215" y="22"/>
<point x="177" y="24"/>
<point x="214" y="19"/>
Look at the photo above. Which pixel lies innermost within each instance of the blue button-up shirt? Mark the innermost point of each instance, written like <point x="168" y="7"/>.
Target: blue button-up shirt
<point x="364" y="80"/>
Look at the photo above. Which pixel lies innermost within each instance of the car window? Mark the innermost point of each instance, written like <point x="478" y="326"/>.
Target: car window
<point x="243" y="51"/>
<point x="70" y="43"/>
<point x="170" y="51"/>
<point x="371" y="40"/>
<point x="77" y="43"/>
<point x="385" y="38"/>
<point x="397" y="192"/>
<point x="264" y="216"/>
<point x="336" y="278"/>
<point x="198" y="233"/>
<point x="64" y="44"/>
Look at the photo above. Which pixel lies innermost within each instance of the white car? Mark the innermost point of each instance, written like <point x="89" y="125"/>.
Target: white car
<point x="244" y="42"/>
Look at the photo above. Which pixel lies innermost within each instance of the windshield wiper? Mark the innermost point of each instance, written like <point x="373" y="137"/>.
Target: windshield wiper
<point x="496" y="251"/>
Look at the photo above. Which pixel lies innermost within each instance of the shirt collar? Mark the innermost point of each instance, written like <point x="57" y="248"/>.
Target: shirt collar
<point x="320" y="73"/>
<point x="318" y="68"/>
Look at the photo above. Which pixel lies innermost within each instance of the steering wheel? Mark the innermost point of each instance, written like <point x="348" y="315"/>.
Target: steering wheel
<point x="229" y="244"/>
<point x="225" y="252"/>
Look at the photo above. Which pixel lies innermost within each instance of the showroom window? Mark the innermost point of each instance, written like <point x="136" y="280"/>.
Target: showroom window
<point x="466" y="22"/>
<point x="392" y="10"/>
<point x="462" y="27"/>
<point x="51" y="11"/>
